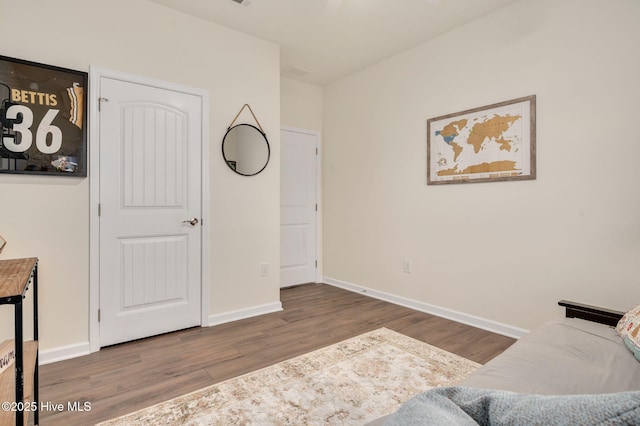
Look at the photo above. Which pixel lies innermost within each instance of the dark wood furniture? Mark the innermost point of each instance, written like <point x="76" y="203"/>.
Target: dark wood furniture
<point x="17" y="383"/>
<point x="591" y="313"/>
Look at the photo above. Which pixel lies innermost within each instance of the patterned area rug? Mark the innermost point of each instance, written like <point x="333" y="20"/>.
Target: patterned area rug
<point x="351" y="382"/>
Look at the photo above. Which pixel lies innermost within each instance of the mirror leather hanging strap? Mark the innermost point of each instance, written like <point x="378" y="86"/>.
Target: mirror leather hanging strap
<point x="240" y="112"/>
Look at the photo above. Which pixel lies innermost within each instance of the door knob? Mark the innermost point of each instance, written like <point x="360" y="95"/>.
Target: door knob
<point x="192" y="222"/>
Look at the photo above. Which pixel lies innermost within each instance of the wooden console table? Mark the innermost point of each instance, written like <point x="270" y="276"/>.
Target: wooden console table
<point x="17" y="383"/>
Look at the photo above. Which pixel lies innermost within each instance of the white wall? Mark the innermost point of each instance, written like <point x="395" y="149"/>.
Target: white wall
<point x="504" y="251"/>
<point x="48" y="217"/>
<point x="301" y="105"/>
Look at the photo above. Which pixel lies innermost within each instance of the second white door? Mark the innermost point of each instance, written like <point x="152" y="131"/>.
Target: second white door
<point x="150" y="202"/>
<point x="298" y="207"/>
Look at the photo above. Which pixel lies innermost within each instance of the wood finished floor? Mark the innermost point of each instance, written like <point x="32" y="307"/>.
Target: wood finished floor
<point x="127" y="377"/>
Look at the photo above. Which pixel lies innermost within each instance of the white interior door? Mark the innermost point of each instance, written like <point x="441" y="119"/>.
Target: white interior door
<point x="150" y="210"/>
<point x="298" y="207"/>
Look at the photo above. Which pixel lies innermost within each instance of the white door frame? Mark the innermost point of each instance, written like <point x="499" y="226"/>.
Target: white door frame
<point x="95" y="74"/>
<point x="317" y="135"/>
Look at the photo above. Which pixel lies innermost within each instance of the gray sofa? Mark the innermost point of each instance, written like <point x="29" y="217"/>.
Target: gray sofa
<point x="568" y="356"/>
<point x="571" y="356"/>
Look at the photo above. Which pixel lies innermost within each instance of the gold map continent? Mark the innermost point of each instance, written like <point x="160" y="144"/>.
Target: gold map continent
<point x="493" y="167"/>
<point x="491" y="129"/>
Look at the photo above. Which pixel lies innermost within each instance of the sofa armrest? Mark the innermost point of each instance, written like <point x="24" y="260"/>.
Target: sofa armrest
<point x="591" y="313"/>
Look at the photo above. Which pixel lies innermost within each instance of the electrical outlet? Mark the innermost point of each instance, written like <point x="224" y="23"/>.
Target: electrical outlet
<point x="264" y="269"/>
<point x="406" y="266"/>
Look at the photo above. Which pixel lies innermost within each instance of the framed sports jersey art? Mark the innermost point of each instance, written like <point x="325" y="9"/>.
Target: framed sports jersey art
<point x="43" y="118"/>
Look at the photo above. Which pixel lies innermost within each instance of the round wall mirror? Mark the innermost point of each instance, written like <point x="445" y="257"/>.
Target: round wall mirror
<point x="245" y="149"/>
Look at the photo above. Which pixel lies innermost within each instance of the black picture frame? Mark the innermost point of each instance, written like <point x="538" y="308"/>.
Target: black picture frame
<point x="43" y="119"/>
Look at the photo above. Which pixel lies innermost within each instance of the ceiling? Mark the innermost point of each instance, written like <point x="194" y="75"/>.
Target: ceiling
<point x="324" y="40"/>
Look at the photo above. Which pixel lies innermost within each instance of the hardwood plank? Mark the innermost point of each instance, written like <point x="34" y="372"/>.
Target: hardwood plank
<point x="130" y="376"/>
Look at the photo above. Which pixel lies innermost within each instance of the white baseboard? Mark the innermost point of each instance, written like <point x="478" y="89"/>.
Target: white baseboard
<point x="47" y="356"/>
<point x="240" y="314"/>
<point x="483" y="323"/>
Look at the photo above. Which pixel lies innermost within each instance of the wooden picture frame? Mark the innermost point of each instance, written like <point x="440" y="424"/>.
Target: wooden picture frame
<point x="43" y="119"/>
<point x="487" y="144"/>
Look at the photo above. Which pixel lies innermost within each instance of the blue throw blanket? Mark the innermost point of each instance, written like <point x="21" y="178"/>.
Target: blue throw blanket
<point x="470" y="406"/>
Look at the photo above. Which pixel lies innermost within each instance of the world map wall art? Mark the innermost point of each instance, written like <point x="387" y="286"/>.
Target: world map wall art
<point x="491" y="143"/>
